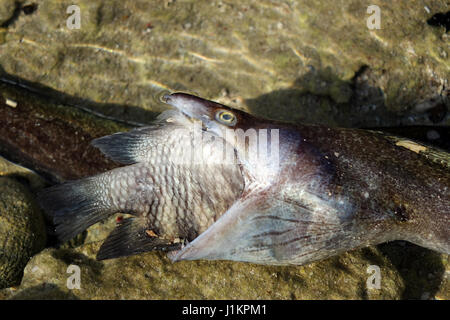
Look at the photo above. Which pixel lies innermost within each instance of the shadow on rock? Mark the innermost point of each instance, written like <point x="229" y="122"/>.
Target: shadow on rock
<point x="322" y="97"/>
<point x="45" y="291"/>
<point x="69" y="257"/>
<point x="131" y="115"/>
<point x="421" y="269"/>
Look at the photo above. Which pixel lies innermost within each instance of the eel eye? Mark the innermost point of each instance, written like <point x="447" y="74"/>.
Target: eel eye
<point x="226" y="117"/>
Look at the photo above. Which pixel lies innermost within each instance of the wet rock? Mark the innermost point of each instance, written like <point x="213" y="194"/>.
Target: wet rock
<point x="33" y="180"/>
<point x="7" y="12"/>
<point x="444" y="289"/>
<point x="22" y="230"/>
<point x="153" y="276"/>
<point x="127" y="52"/>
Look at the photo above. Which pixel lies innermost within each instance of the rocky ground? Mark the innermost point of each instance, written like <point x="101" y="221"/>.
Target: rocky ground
<point x="308" y="61"/>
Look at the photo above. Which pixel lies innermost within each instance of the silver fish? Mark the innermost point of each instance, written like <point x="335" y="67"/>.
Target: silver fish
<point x="237" y="187"/>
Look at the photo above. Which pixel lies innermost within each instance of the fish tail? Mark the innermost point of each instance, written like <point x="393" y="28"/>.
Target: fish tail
<point x="76" y="205"/>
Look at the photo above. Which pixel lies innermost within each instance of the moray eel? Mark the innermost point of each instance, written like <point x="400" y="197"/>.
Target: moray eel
<point x="206" y="181"/>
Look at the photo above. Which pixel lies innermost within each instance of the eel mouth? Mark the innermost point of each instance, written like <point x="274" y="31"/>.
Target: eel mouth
<point x="193" y="108"/>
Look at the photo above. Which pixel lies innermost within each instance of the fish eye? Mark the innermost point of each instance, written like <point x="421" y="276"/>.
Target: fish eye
<point x="226" y="117"/>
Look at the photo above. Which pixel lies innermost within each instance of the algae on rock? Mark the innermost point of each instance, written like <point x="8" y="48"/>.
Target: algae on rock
<point x="22" y="230"/>
<point x="127" y="52"/>
<point x="153" y="276"/>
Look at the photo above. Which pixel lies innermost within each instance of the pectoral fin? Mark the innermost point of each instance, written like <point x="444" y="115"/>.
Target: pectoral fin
<point x="281" y="233"/>
<point x="130" y="238"/>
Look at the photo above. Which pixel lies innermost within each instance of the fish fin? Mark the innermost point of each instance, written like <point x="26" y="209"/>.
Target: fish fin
<point x="74" y="206"/>
<point x="280" y="234"/>
<point x="130" y="237"/>
<point x="136" y="145"/>
<point x="124" y="147"/>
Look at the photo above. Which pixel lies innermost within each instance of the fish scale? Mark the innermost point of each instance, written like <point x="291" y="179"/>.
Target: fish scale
<point x="164" y="189"/>
<point x="134" y="196"/>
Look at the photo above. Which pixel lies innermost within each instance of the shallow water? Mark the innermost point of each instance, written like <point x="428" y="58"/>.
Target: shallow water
<point x="298" y="61"/>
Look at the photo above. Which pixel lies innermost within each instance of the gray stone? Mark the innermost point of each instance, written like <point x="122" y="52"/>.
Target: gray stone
<point x="22" y="230"/>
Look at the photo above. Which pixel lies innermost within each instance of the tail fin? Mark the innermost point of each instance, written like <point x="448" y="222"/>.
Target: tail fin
<point x="75" y="206"/>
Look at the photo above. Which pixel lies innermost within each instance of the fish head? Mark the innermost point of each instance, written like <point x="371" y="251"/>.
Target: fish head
<point x="216" y="117"/>
<point x="248" y="135"/>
